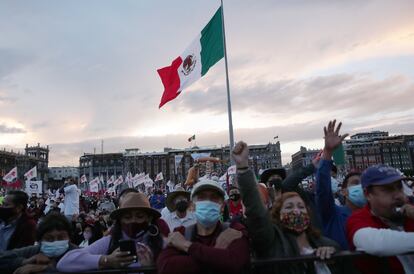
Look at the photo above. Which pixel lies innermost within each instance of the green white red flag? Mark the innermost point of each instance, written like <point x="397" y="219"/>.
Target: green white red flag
<point x="205" y="51"/>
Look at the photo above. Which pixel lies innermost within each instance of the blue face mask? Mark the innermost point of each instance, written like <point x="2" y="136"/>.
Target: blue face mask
<point x="207" y="213"/>
<point x="54" y="249"/>
<point x="356" y="195"/>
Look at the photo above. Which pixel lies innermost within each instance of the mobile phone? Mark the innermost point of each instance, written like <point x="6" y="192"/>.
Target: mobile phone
<point x="128" y="245"/>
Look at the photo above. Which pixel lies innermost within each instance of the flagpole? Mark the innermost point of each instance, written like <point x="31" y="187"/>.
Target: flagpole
<point x="228" y="85"/>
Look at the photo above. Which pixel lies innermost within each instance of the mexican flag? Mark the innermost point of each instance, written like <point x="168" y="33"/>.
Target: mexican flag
<point x="191" y="138"/>
<point x="206" y="50"/>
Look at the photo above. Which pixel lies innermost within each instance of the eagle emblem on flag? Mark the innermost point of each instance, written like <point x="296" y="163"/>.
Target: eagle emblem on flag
<point x="189" y="64"/>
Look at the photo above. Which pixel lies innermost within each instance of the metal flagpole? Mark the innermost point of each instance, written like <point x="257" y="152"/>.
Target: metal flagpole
<point x="228" y="85"/>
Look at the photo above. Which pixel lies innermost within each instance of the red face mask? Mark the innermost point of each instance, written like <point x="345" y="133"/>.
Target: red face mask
<point x="133" y="229"/>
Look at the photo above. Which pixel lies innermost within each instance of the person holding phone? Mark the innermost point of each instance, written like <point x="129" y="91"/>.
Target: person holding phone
<point x="134" y="241"/>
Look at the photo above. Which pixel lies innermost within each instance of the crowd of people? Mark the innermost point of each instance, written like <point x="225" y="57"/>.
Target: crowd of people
<point x="209" y="229"/>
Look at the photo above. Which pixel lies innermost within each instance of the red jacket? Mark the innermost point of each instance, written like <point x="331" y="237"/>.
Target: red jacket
<point x="203" y="257"/>
<point x="361" y="219"/>
<point x="24" y="234"/>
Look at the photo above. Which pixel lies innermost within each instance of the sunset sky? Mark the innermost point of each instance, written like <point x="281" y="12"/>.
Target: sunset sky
<point x="75" y="72"/>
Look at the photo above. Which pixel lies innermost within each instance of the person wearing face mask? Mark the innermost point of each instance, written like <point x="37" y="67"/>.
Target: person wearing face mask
<point x="279" y="182"/>
<point x="16" y="228"/>
<point x="334" y="217"/>
<point x="178" y="203"/>
<point x="234" y="202"/>
<point x="134" y="220"/>
<point x="208" y="246"/>
<point x="53" y="235"/>
<point x="385" y="226"/>
<point x="288" y="232"/>
<point x="91" y="233"/>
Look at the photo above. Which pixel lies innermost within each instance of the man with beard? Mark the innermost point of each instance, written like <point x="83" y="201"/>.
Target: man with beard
<point x="178" y="203"/>
<point x="385" y="226"/>
<point x="16" y="228"/>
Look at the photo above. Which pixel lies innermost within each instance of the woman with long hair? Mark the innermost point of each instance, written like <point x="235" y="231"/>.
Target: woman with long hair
<point x="287" y="232"/>
<point x="135" y="221"/>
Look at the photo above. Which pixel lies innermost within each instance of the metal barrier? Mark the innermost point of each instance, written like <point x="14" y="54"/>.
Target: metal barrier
<point x="254" y="263"/>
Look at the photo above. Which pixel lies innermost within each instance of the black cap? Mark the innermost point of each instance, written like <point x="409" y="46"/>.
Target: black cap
<point x="272" y="171"/>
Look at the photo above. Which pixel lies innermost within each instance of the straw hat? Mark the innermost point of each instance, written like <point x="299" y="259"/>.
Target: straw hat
<point x="179" y="191"/>
<point x="135" y="201"/>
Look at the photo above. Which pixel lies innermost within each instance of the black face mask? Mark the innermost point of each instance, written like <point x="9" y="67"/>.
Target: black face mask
<point x="6" y="213"/>
<point x="235" y="197"/>
<point x="275" y="183"/>
<point x="133" y="229"/>
<point x="181" y="206"/>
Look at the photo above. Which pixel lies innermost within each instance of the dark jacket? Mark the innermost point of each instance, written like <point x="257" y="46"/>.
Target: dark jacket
<point x="291" y="183"/>
<point x="13" y="259"/>
<point x="24" y="234"/>
<point x="269" y="240"/>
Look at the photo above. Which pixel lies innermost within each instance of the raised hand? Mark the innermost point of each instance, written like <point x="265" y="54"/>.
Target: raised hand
<point x="240" y="154"/>
<point x="332" y="139"/>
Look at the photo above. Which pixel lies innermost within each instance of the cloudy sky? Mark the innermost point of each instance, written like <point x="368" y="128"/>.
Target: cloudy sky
<point x="75" y="72"/>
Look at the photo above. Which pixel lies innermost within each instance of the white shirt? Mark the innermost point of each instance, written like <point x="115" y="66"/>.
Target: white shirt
<point x="174" y="221"/>
<point x="72" y="194"/>
<point x="387" y="242"/>
<point x="62" y="207"/>
<point x="165" y="213"/>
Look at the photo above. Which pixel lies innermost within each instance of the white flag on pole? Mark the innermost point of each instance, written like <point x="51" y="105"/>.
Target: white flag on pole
<point x="159" y="177"/>
<point x="118" y="181"/>
<point x="11" y="175"/>
<point x="83" y="179"/>
<point x="94" y="186"/>
<point x="31" y="173"/>
<point x="148" y="181"/>
<point x="232" y="170"/>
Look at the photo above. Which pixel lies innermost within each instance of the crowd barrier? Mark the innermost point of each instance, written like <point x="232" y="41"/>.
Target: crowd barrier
<point x="254" y="263"/>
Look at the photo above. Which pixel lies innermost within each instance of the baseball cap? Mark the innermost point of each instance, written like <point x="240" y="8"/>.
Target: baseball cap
<point x="380" y="175"/>
<point x="207" y="184"/>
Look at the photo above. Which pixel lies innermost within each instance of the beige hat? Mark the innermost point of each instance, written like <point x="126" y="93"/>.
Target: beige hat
<point x="207" y="184"/>
<point x="135" y="201"/>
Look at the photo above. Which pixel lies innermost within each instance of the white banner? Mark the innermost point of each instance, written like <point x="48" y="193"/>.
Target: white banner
<point x="11" y="175"/>
<point x="138" y="179"/>
<point x="83" y="179"/>
<point x="94" y="181"/>
<point x="31" y="173"/>
<point x="148" y="181"/>
<point x="94" y="187"/>
<point x="170" y="186"/>
<point x="232" y="170"/>
<point x="128" y="179"/>
<point x="159" y="177"/>
<point x="118" y="181"/>
<point x="34" y="187"/>
<point x="177" y="159"/>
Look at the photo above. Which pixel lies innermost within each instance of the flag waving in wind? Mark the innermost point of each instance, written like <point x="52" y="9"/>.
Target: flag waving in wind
<point x="31" y="173"/>
<point x="11" y="175"/>
<point x="205" y="51"/>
